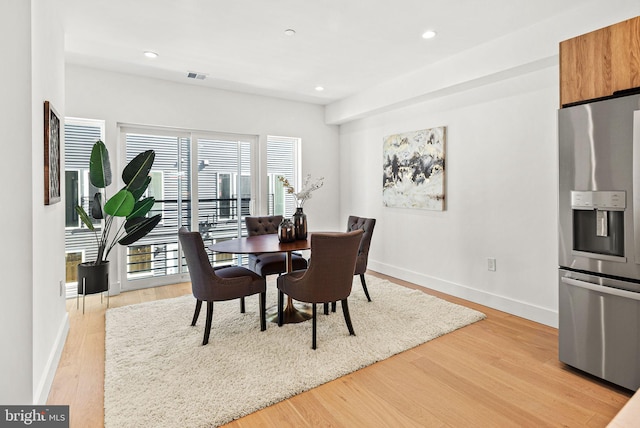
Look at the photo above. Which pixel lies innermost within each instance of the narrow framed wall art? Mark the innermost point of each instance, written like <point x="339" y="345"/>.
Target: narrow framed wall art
<point x="51" y="155"/>
<point x="413" y="169"/>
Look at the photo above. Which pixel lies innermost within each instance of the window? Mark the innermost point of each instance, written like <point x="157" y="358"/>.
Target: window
<point x="156" y="190"/>
<point x="283" y="159"/>
<point x="78" y="191"/>
<point x="224" y="196"/>
<point x="72" y="260"/>
<point x="228" y="197"/>
<point x="72" y="198"/>
<point x="80" y="243"/>
<point x="244" y="187"/>
<point x="80" y="135"/>
<point x="140" y="259"/>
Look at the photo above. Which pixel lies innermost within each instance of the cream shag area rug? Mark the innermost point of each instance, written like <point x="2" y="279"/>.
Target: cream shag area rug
<point x="157" y="374"/>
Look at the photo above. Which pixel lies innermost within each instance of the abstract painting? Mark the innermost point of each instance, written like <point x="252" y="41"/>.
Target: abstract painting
<point x="413" y="169"/>
<point x="51" y="155"/>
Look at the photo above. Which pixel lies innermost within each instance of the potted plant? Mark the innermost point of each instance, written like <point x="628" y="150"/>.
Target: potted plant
<point x="126" y="203"/>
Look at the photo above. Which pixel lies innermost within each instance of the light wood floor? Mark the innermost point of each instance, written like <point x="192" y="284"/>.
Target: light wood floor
<point x="499" y="372"/>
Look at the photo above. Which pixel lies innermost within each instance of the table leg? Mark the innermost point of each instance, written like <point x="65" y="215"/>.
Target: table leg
<point x="292" y="312"/>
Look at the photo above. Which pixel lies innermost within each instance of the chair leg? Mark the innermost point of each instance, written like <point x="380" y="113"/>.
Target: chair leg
<point x="242" y="305"/>
<point x="263" y="315"/>
<point x="333" y="306"/>
<point x="364" y="287"/>
<point x="196" y="314"/>
<point x="280" y="303"/>
<point x="326" y="308"/>
<point x="313" y="328"/>
<point x="207" y="327"/>
<point x="347" y="317"/>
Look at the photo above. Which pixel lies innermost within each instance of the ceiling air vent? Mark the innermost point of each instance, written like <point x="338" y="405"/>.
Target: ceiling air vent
<point x="194" y="75"/>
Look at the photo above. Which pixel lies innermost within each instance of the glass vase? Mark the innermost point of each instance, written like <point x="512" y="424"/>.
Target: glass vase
<point x="286" y="231"/>
<point x="300" y="224"/>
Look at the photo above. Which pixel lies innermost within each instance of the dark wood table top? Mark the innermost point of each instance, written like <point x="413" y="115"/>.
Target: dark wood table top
<point x="260" y="244"/>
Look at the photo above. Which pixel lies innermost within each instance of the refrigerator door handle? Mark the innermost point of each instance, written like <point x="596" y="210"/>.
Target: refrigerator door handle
<point x="636" y="181"/>
<point x="601" y="288"/>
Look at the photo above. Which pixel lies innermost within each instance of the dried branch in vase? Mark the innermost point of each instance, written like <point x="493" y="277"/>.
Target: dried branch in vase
<point x="308" y="186"/>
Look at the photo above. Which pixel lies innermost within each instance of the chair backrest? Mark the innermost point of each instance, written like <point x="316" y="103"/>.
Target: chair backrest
<point x="366" y="225"/>
<point x="262" y="225"/>
<point x="200" y="269"/>
<point x="330" y="273"/>
<point x="205" y="284"/>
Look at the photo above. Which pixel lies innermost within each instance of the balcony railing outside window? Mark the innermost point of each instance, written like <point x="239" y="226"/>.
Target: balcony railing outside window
<point x="157" y="253"/>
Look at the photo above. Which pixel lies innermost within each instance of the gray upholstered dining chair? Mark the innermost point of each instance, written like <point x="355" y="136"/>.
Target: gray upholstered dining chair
<point x="366" y="225"/>
<point x="327" y="279"/>
<point x="214" y="285"/>
<point x="270" y="263"/>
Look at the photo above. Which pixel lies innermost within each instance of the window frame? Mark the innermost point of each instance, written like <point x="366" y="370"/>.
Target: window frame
<point x="288" y="203"/>
<point x="70" y="231"/>
<point x="178" y="273"/>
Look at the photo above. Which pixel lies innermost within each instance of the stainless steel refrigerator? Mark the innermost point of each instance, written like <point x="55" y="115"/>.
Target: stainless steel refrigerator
<point x="599" y="238"/>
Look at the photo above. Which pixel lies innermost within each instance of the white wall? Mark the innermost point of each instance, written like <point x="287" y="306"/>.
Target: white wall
<point x="15" y="174"/>
<point x="499" y="105"/>
<point x="121" y="98"/>
<point x="50" y="319"/>
<point x="33" y="322"/>
<point x="500" y="196"/>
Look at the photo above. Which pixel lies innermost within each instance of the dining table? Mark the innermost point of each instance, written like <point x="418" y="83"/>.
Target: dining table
<point x="293" y="312"/>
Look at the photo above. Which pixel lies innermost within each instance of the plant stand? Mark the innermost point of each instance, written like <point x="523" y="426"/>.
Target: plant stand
<point x="92" y="279"/>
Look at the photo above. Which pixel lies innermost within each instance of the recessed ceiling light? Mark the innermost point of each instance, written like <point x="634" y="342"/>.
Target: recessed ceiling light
<point x="150" y="54"/>
<point x="429" y="34"/>
<point x="290" y="32"/>
<point x="319" y="88"/>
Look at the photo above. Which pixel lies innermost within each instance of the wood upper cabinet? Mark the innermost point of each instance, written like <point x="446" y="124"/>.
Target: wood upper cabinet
<point x="599" y="63"/>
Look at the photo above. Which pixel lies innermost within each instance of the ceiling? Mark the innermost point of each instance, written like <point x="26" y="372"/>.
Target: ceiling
<point x="344" y="46"/>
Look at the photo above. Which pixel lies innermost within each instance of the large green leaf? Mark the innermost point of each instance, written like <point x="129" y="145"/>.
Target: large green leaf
<point x="132" y="223"/>
<point x="96" y="207"/>
<point x="99" y="166"/>
<point x="137" y="193"/>
<point x="142" y="207"/>
<point x="84" y="217"/>
<point x="121" y="204"/>
<point x="138" y="228"/>
<point x="136" y="172"/>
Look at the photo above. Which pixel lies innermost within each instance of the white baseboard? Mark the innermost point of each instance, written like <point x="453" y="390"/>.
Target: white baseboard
<point x="44" y="385"/>
<point x="515" y="307"/>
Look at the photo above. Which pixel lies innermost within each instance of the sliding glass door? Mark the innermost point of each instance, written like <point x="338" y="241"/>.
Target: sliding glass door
<point x="207" y="182"/>
<point x="225" y="183"/>
<point x="155" y="259"/>
<point x="202" y="181"/>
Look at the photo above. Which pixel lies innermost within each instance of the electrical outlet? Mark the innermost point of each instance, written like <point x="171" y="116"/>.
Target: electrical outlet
<point x="491" y="264"/>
